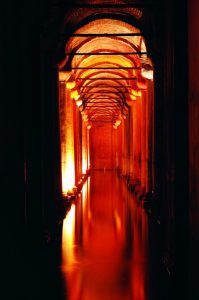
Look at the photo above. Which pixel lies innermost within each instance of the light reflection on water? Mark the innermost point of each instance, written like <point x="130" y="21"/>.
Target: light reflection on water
<point x="104" y="243"/>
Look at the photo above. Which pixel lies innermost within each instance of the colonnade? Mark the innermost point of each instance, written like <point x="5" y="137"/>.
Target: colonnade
<point x="136" y="142"/>
<point x="74" y="141"/>
<point x="128" y="148"/>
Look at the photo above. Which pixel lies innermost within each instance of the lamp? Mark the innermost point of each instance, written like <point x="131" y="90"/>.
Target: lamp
<point x="133" y="97"/>
<point x="70" y="84"/>
<point x="148" y="74"/>
<point x="74" y="95"/>
<point x="136" y="93"/>
<point x="147" y="68"/>
<point x="78" y="102"/>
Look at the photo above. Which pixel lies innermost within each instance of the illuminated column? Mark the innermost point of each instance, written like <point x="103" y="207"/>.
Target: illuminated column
<point x="84" y="148"/>
<point x="131" y="140"/>
<point x="143" y="139"/>
<point x="128" y="142"/>
<point x="69" y="176"/>
<point x="124" y="149"/>
<point x="67" y="139"/>
<point x="88" y="148"/>
<point x="119" y="148"/>
<point x="150" y="136"/>
<point x="114" y="136"/>
<point x="77" y="142"/>
<point x="62" y="120"/>
<point x="137" y="140"/>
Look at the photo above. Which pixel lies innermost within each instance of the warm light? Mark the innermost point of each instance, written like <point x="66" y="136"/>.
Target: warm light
<point x="118" y="122"/>
<point x="147" y="68"/>
<point x="68" y="173"/>
<point x="120" y="117"/>
<point x="80" y="109"/>
<point x="84" y="148"/>
<point x="117" y="220"/>
<point x="74" y="94"/>
<point x="67" y="155"/>
<point x="68" y="236"/>
<point x="115" y="126"/>
<point x="88" y="149"/>
<point x="125" y="110"/>
<point x="79" y="103"/>
<point x="89" y="126"/>
<point x="64" y="76"/>
<point x="133" y="97"/>
<point x="147" y="74"/>
<point x="85" y="118"/>
<point x="136" y="93"/>
<point x="71" y="276"/>
<point x="76" y="98"/>
<point x="70" y="85"/>
<point x="141" y="83"/>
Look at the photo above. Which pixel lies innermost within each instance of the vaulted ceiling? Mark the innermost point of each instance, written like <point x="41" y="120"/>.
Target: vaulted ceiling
<point x="105" y="62"/>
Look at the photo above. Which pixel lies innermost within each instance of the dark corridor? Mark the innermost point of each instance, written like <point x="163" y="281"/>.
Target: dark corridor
<point x="100" y="114"/>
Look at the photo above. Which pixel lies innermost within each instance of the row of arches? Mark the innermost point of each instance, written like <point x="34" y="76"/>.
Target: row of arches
<point x="108" y="74"/>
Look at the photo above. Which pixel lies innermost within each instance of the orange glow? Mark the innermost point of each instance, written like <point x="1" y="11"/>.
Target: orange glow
<point x="67" y="141"/>
<point x="147" y="74"/>
<point x="102" y="242"/>
<point x="133" y="97"/>
<point x="78" y="103"/>
<point x="117" y="221"/>
<point x="141" y="83"/>
<point x="85" y="117"/>
<point x="68" y="172"/>
<point x="84" y="148"/>
<point x="121" y="60"/>
<point x="88" y="149"/>
<point x="74" y="94"/>
<point x="68" y="236"/>
<point x="105" y="26"/>
<point x="98" y="259"/>
<point x="70" y="85"/>
<point x="64" y="76"/>
<point x="118" y="122"/>
<point x="91" y="71"/>
<point x="73" y="279"/>
<point x="136" y="93"/>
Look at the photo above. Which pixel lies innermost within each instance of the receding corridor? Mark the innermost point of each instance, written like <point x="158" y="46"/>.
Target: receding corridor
<point x="100" y="150"/>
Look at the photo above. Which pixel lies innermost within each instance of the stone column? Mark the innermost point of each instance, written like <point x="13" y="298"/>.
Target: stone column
<point x="131" y="140"/>
<point x="143" y="140"/>
<point x="77" y="142"/>
<point x="137" y="140"/>
<point x="67" y="140"/>
<point x="84" y="148"/>
<point x="149" y="137"/>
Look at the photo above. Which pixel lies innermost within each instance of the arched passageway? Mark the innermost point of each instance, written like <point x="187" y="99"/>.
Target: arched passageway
<point x="110" y="98"/>
<point x="106" y="109"/>
<point x="107" y="103"/>
<point x="111" y="94"/>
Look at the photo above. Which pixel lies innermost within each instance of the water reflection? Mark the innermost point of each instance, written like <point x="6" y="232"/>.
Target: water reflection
<point x="105" y="243"/>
